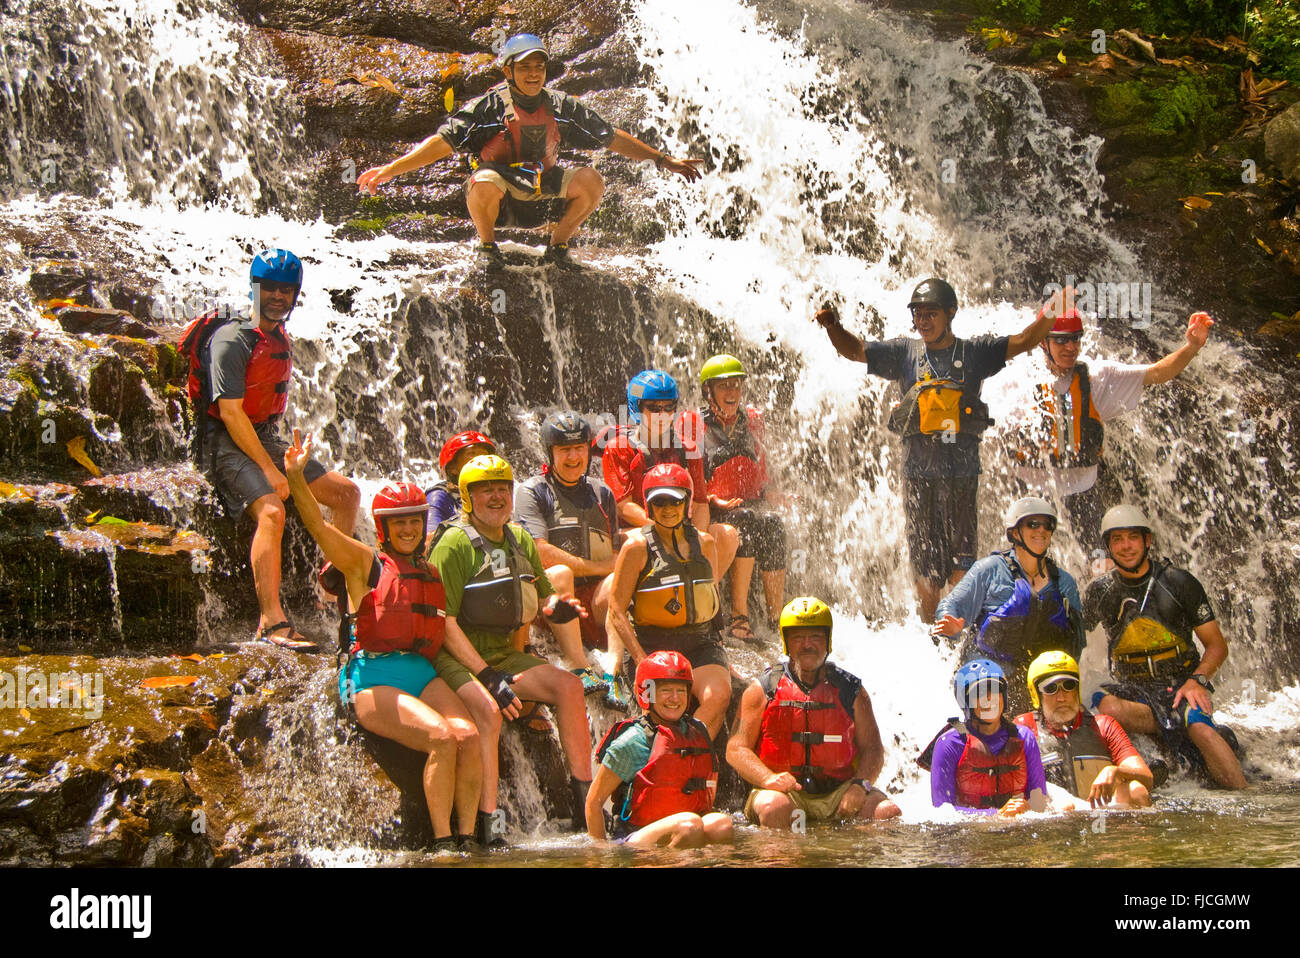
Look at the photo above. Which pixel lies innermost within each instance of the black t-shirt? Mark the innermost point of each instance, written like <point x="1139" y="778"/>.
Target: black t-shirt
<point x="929" y="457"/>
<point x="474" y="125"/>
<point x="1176" y="599"/>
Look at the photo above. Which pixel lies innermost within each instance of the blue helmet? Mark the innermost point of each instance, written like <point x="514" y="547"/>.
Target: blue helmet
<point x="652" y="384"/>
<point x="972" y="674"/>
<point x="519" y="46"/>
<point x="277" y="265"/>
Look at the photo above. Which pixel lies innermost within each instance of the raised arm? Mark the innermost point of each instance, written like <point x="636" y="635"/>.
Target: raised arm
<point x="1198" y="331"/>
<point x="432" y="150"/>
<point x="349" y="556"/>
<point x="845" y="343"/>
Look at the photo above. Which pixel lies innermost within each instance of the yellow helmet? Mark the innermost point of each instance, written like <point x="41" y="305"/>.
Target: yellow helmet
<point x="1047" y="665"/>
<point x="806" y="612"/>
<point x="481" y="469"/>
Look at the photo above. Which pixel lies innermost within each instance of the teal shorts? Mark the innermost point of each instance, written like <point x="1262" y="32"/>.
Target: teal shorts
<point x="402" y="670"/>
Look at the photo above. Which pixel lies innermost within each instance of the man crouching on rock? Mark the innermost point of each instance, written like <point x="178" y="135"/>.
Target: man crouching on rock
<point x="516" y="131"/>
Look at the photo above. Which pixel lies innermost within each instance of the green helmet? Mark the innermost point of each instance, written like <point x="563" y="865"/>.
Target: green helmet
<point x="722" y="366"/>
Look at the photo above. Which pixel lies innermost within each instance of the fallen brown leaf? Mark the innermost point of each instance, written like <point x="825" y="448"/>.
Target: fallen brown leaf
<point x="1196" y="202"/>
<point x="168" y="681"/>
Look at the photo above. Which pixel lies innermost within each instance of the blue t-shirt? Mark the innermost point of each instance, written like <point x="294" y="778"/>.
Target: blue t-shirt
<point x="628" y="753"/>
<point x="947" y="752"/>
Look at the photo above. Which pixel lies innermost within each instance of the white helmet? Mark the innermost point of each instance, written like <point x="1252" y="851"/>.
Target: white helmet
<point x="1024" y="508"/>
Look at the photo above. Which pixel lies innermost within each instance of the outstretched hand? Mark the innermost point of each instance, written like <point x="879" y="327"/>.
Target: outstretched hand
<point x="1198" y="329"/>
<point x="297" y="455"/>
<point x="688" y="170"/>
<point x="827" y="316"/>
<point x="373" y="178"/>
<point x="949" y="625"/>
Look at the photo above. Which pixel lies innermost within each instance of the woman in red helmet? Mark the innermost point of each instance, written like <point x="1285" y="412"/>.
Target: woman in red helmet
<point x="393" y="602"/>
<point x="658" y="768"/>
<point x="444" y="498"/>
<point x="667" y="573"/>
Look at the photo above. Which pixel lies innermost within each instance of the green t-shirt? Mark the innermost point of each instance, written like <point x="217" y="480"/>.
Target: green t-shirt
<point x="628" y="753"/>
<point x="457" y="561"/>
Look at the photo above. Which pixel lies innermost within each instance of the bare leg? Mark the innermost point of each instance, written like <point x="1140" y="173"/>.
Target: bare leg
<point x="342" y="497"/>
<point x="469" y="759"/>
<point x="394" y="714"/>
<point x="927" y="594"/>
<point x="683" y="830"/>
<point x="727" y="539"/>
<point x="562" y="689"/>
<point x="774" y="809"/>
<point x="484" y="203"/>
<point x="1133" y="716"/>
<point x="712" y="689"/>
<point x="585" y="191"/>
<point x="774" y="594"/>
<point x="742" y="574"/>
<point x="569" y="634"/>
<point x="1219" y="758"/>
<point x="487" y="717"/>
<point x="264" y="555"/>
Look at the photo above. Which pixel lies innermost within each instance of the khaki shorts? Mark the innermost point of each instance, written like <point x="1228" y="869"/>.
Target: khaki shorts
<point x="818" y="808"/>
<point x="505" y="658"/>
<point x="484" y="175"/>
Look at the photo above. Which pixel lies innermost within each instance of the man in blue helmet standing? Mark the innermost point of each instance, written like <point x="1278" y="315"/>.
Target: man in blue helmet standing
<point x="515" y="131"/>
<point x="984" y="762"/>
<point x="239" y="378"/>
<point x="652" y="439"/>
<point x="940" y="419"/>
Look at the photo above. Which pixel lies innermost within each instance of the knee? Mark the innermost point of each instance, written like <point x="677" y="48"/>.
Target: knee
<point x="886" y="809"/>
<point x="1109" y="705"/>
<point x="571" y="688"/>
<point x="271" y="516"/>
<point x="439" y="738"/>
<point x="561" y="577"/>
<point x="463" y="731"/>
<point x="487" y="719"/>
<point x="720" y="829"/>
<point x="773" y="810"/>
<point x="1139" y="795"/>
<point x="349" y="496"/>
<point x="483" y="195"/>
<point x="589" y="182"/>
<point x="690" y="829"/>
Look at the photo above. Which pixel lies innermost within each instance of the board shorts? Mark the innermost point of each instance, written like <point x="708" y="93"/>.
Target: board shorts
<point x="818" y="808"/>
<point x="503" y="657"/>
<point x="238" y="480"/>
<point x="762" y="537"/>
<point x="524" y="209"/>
<point x="942" y="517"/>
<point x="1172" y="724"/>
<point x="702" y="647"/>
<point x="405" y="671"/>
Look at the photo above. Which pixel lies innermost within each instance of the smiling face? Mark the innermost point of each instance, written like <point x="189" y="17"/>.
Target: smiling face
<point x="725" y="396"/>
<point x="528" y="75"/>
<point x="671" y="698"/>
<point x="405" y="533"/>
<point x="657" y="415"/>
<point x="932" y="323"/>
<point x="1039" y="539"/>
<point x="986" y="703"/>
<point x="666" y="510"/>
<point x="1127" y="546"/>
<point x="570" y="461"/>
<point x="275" y="300"/>
<point x="1063" y="351"/>
<point x="493" y="501"/>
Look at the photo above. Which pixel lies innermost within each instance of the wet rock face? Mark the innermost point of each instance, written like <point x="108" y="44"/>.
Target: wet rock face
<point x="1282" y="142"/>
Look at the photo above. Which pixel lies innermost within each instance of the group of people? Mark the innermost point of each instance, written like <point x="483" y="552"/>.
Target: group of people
<point x="626" y="570"/>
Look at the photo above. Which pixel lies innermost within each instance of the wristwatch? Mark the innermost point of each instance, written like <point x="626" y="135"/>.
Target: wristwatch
<point x="1202" y="681"/>
<point x="867" y="786"/>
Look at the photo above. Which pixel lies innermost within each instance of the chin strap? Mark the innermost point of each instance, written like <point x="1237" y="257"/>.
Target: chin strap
<point x="1019" y="542"/>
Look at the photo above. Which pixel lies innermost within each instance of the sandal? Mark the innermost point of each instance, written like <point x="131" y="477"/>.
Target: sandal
<point x="739" y="624"/>
<point x="533" y="717"/>
<point x="295" y="640"/>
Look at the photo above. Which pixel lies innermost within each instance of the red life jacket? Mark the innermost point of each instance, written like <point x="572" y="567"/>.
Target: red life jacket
<point x="266" y="380"/>
<point x="810" y="734"/>
<point x="985" y="780"/>
<point x="734" y="462"/>
<point x="508" y="146"/>
<point x="625" y="451"/>
<point x="679" y="777"/>
<point x="404" y="612"/>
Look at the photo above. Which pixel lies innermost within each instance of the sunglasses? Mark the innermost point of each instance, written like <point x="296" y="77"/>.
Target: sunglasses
<point x="659" y="407"/>
<point x="1048" y="524"/>
<point x="1060" y="685"/>
<point x="1071" y="338"/>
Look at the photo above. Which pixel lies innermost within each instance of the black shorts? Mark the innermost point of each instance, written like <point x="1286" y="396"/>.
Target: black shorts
<point x="701" y="647"/>
<point x="941" y="524"/>
<point x="762" y="537"/>
<point x="240" y="481"/>
<point x="1158" y="695"/>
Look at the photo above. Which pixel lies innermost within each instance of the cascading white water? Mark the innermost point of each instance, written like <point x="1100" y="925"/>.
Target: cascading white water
<point x="165" y="102"/>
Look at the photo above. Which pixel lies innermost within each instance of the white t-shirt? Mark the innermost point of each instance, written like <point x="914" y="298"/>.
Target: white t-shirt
<point x="1116" y="389"/>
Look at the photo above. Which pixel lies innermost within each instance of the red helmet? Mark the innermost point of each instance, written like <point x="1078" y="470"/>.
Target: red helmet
<point x="462" y="440"/>
<point x="1068" y="322"/>
<point x="397" y="499"/>
<point x="659" y="666"/>
<point x="667" y="475"/>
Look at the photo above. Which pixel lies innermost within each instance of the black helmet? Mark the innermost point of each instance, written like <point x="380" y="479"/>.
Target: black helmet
<point x="933" y="292"/>
<point x="564" y="429"/>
